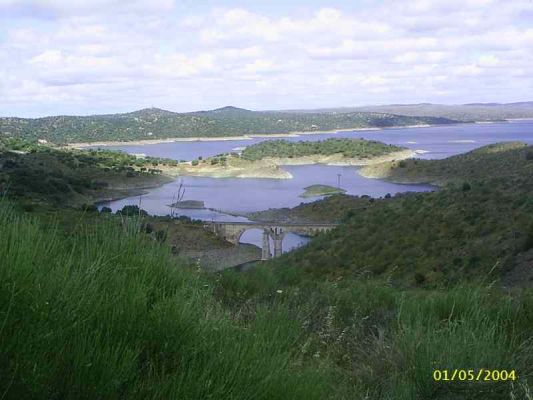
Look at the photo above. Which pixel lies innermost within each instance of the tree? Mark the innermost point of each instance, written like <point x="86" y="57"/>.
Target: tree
<point x="131" y="210"/>
<point x="89" y="208"/>
<point x="161" y="236"/>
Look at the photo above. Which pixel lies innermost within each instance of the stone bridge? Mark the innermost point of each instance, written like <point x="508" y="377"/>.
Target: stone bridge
<point x="232" y="232"/>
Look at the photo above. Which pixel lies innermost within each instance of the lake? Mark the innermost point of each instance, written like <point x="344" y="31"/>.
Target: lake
<point x="242" y="195"/>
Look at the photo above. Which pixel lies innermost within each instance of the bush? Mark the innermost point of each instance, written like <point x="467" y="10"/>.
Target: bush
<point x="131" y="210"/>
<point x="161" y="236"/>
<point x="528" y="242"/>
<point x="148" y="228"/>
<point x="105" y="210"/>
<point x="89" y="208"/>
<point x="28" y="207"/>
<point x="419" y="278"/>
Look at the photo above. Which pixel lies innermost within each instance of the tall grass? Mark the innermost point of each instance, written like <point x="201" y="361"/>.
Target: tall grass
<point x="388" y="341"/>
<point x="105" y="314"/>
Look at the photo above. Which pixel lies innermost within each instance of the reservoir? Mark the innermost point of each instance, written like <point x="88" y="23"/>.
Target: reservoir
<point x="243" y="195"/>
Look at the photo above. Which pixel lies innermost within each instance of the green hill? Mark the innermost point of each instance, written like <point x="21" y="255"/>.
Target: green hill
<point x="154" y="123"/>
<point x="38" y="173"/>
<point x="504" y="160"/>
<point x="350" y="148"/>
<point x="481" y="218"/>
<point x="461" y="112"/>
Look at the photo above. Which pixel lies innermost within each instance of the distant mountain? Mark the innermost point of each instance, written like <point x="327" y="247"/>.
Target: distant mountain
<point x="228" y="110"/>
<point x="154" y="123"/>
<point x="520" y="103"/>
<point x="147" y="112"/>
<point x="461" y="112"/>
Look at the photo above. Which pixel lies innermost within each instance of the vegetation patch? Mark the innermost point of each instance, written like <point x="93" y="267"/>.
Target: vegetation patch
<point x="349" y="148"/>
<point x="321" y="190"/>
<point x="41" y="173"/>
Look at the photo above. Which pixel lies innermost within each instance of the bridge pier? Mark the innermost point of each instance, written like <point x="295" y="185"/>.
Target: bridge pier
<point x="277" y="235"/>
<point x="232" y="231"/>
<point x="266" y="246"/>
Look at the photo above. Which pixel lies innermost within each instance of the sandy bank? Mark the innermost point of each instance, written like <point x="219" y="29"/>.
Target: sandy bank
<point x="340" y="160"/>
<point x="142" y="142"/>
<point x="271" y="168"/>
<point x="82" y="145"/>
<point x="236" y="168"/>
<point x="383" y="171"/>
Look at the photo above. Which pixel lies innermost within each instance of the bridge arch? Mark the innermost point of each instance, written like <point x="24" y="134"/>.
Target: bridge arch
<point x="273" y="233"/>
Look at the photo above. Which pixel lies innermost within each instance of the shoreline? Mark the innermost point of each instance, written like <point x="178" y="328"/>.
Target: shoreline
<point x="272" y="168"/>
<point x="142" y="142"/>
<point x="118" y="193"/>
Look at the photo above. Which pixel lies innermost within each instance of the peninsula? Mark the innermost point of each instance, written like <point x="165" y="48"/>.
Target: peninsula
<point x="265" y="159"/>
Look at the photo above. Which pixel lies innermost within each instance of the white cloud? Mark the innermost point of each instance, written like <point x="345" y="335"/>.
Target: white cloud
<point x="107" y="55"/>
<point x="62" y="8"/>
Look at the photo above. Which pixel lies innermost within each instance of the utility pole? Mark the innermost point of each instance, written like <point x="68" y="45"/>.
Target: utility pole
<point x="338" y="181"/>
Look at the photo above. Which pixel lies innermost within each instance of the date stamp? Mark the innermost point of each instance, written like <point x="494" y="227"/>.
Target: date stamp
<point x="474" y="375"/>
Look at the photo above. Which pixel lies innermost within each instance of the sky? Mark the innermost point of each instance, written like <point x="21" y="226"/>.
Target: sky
<point x="105" y="56"/>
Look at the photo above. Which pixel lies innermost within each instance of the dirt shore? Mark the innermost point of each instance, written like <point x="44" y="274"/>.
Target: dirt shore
<point x="81" y="145"/>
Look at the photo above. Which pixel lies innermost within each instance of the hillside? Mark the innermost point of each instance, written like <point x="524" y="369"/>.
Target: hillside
<point x="154" y="123"/>
<point x="415" y="282"/>
<point x="500" y="160"/>
<point x="462" y="112"/>
<point x="480" y="219"/>
<point x="39" y="173"/>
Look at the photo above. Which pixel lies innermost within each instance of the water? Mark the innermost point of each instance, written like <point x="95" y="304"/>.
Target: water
<point x="243" y="195"/>
<point x="439" y="141"/>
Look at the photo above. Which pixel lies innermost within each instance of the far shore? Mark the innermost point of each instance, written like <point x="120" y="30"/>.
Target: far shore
<point x="142" y="142"/>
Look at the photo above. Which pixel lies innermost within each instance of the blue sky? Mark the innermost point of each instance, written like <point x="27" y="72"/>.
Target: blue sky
<point x="102" y="56"/>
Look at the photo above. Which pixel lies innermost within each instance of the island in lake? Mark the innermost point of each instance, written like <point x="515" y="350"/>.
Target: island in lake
<point x="321" y="190"/>
<point x="264" y="160"/>
<point x="189" y="204"/>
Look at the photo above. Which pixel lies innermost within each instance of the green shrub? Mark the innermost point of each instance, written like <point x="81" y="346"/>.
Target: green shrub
<point x="131" y="210"/>
<point x="89" y="208"/>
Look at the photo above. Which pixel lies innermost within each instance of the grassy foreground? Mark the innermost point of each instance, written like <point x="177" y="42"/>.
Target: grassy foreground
<point x="388" y="341"/>
<point x="102" y="314"/>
